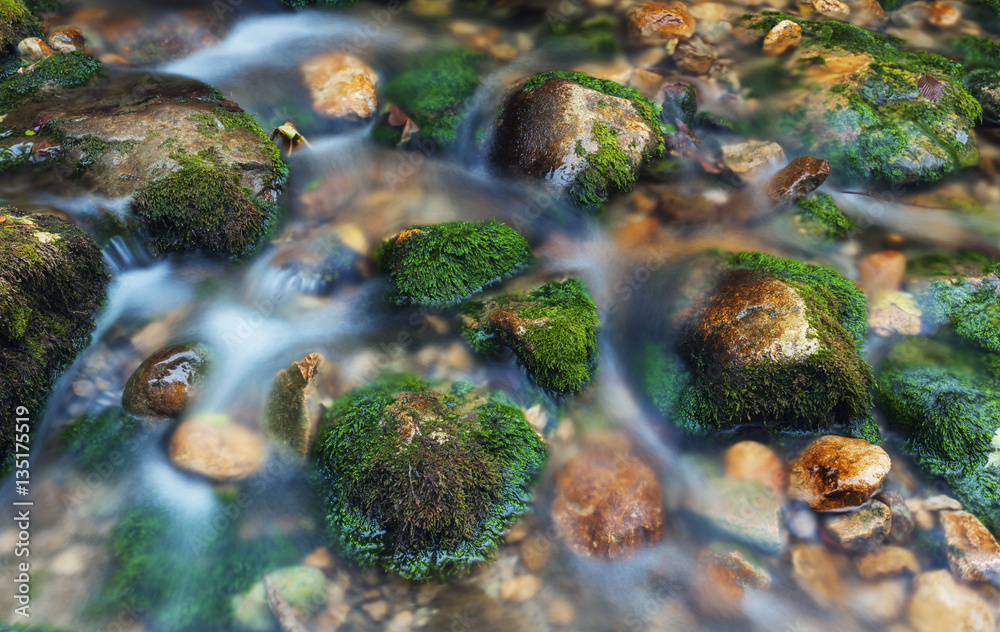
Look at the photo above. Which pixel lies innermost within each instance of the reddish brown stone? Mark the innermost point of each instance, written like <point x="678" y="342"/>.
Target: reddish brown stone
<point x="798" y="179"/>
<point x="838" y="473"/>
<point x="166" y="382"/>
<point x="654" y="22"/>
<point x="973" y="552"/>
<point x="881" y="271"/>
<point x="720" y="582"/>
<point x="608" y="503"/>
<point x="67" y="39"/>
<point x="341" y="85"/>
<point x="752" y="461"/>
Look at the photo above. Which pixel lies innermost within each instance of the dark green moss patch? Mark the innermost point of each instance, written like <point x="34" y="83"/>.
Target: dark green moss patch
<point x="65" y="70"/>
<point x="203" y="206"/>
<point x="970" y="307"/>
<point x="959" y="262"/>
<point x="821" y="217"/>
<point x="552" y="330"/>
<point x="596" y="34"/>
<point x="52" y="283"/>
<point x="16" y="23"/>
<point x="424" y="483"/>
<point x="101" y="440"/>
<point x="435" y="91"/>
<point x="445" y="263"/>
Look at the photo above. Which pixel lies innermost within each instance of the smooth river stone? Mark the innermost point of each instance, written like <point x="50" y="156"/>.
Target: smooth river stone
<point x="608" y="503"/>
<point x="862" y="529"/>
<point x="166" y="383"/>
<point x="973" y="552"/>
<point x="220" y="451"/>
<point x="838" y="473"/>
<point x="939" y="603"/>
<point x="747" y="511"/>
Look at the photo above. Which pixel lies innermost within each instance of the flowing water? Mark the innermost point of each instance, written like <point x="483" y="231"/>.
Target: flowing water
<point x="260" y="315"/>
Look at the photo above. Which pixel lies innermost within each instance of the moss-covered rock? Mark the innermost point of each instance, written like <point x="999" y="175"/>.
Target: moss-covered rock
<point x="773" y="342"/>
<point x="440" y="264"/>
<point x="984" y="85"/>
<point x="552" y="330"/>
<point x="47" y="76"/>
<point x="180" y="577"/>
<point x="423" y="482"/>
<point x="434" y="92"/>
<point x="585" y="136"/>
<point x="969" y="306"/>
<point x="52" y="282"/>
<point x="945" y="401"/>
<point x="820" y="217"/>
<point x="201" y="172"/>
<point x="286" y="413"/>
<point x="302" y="588"/>
<point x="877" y="111"/>
<point x="16" y="23"/>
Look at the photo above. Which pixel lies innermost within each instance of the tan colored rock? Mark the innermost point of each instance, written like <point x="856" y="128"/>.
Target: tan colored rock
<point x="657" y="22"/>
<point x="832" y="8"/>
<point x="973" y="552"/>
<point x="938" y="603"/>
<point x="785" y="35"/>
<point x="894" y="312"/>
<point x="217" y="449"/>
<point x="562" y="612"/>
<point x="838" y="473"/>
<point x="535" y="551"/>
<point x="745" y="511"/>
<point x="887" y="561"/>
<point x="818" y="572"/>
<point x="720" y="582"/>
<point x="521" y="588"/>
<point x="67" y="39"/>
<point x="341" y="85"/>
<point x="943" y="15"/>
<point x="877" y="602"/>
<point x="881" y="271"/>
<point x="862" y="529"/>
<point x="751" y="158"/>
<point x="33" y="49"/>
<point x="694" y="56"/>
<point x="608" y="503"/>
<point x="752" y="461"/>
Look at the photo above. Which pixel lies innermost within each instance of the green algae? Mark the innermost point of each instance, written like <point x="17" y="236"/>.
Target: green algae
<point x="64" y="70"/>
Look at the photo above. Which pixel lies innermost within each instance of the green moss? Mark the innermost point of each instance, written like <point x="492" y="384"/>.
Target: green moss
<point x="16" y="23"/>
<point x="822" y="218"/>
<point x="203" y="206"/>
<point x="66" y="70"/>
<point x="552" y="330"/>
<point x="424" y="483"/>
<point x="944" y="400"/>
<point x="976" y="52"/>
<point x="830" y="388"/>
<point x="434" y="92"/>
<point x="52" y="282"/>
<point x="962" y="261"/>
<point x="445" y="263"/>
<point x="609" y="166"/>
<point x="971" y="307"/>
<point x="595" y="34"/>
<point x="182" y="577"/>
<point x="984" y="86"/>
<point x="100" y="440"/>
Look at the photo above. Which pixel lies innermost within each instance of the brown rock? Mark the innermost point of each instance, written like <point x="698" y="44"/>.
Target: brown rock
<point x="887" y="561"/>
<point x="214" y="448"/>
<point x="67" y="39"/>
<point x="752" y="461"/>
<point x="785" y="34"/>
<point x="341" y="85"/>
<point x="745" y="511"/>
<point x="798" y="179"/>
<point x="657" y="22"/>
<point x="894" y="312"/>
<point x="751" y="158"/>
<point x="859" y="530"/>
<point x="608" y="503"/>
<point x="838" y="473"/>
<point x="33" y="49"/>
<point x="973" y="552"/>
<point x="535" y="552"/>
<point x="720" y="582"/>
<point x="943" y="14"/>
<point x="750" y="318"/>
<point x="940" y="603"/>
<point x="286" y="413"/>
<point x="521" y="588"/>
<point x="878" y="602"/>
<point x="694" y="56"/>
<point x="818" y="572"/>
<point x="881" y="271"/>
<point x="166" y="383"/>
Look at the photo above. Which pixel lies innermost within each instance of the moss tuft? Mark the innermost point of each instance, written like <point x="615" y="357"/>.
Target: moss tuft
<point x="971" y="307"/>
<point x="16" y="23"/>
<point x="434" y="92"/>
<point x="444" y="263"/>
<point x="552" y="330"/>
<point x="424" y="483"/>
<point x="66" y="71"/>
<point x="821" y="217"/>
<point x="203" y="205"/>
